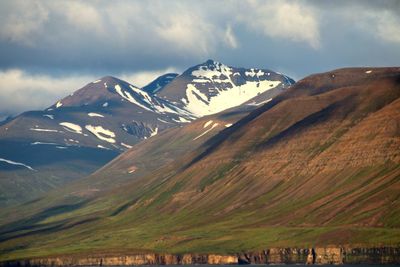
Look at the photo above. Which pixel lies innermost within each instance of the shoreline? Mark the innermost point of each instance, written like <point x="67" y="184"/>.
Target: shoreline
<point x="317" y="256"/>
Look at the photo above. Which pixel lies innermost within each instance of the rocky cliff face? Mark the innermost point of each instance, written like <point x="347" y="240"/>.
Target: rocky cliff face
<point x="139" y="259"/>
<point x="319" y="255"/>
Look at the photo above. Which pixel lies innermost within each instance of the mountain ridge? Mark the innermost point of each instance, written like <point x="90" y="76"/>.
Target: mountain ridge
<point x="317" y="166"/>
<point x="108" y="115"/>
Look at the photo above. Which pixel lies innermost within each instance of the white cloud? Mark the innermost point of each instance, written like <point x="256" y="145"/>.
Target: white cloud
<point x="295" y="21"/>
<point x="143" y="78"/>
<point x="82" y="15"/>
<point x="21" y="21"/>
<point x="21" y="91"/>
<point x="176" y="27"/>
<point x="389" y="29"/>
<point x="382" y="24"/>
<point x="230" y="37"/>
<point x="188" y="32"/>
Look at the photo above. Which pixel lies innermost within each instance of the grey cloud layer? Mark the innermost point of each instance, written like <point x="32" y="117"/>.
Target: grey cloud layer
<point x="100" y="37"/>
<point x="121" y="35"/>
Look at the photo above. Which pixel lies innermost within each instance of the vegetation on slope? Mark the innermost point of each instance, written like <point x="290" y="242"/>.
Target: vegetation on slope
<point x="318" y="165"/>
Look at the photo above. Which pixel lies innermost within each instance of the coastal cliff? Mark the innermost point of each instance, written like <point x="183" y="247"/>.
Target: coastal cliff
<point x="328" y="255"/>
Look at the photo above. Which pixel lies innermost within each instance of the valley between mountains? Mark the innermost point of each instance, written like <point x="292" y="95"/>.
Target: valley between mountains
<point x="215" y="161"/>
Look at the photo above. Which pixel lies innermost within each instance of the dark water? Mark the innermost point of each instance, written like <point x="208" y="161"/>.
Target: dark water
<point x="274" y="265"/>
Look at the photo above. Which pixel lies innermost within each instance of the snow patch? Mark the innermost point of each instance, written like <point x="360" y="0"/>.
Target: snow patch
<point x="147" y="102"/>
<point x="368" y="71"/>
<point x="207" y="123"/>
<point x="212" y="127"/>
<point x="102" y="147"/>
<point x="154" y="104"/>
<point x="92" y="114"/>
<point x="49" y="116"/>
<point x="132" y="169"/>
<point x="44" y="143"/>
<point x="228" y="125"/>
<point x="126" y="95"/>
<point x="254" y="73"/>
<point x="200" y="105"/>
<point x="105" y="105"/>
<point x="97" y="81"/>
<point x="154" y="132"/>
<point x="101" y="133"/>
<point x="218" y="71"/>
<point x="16" y="163"/>
<point x="180" y="119"/>
<point x="44" y="130"/>
<point x="72" y="127"/>
<point x="125" y="145"/>
<point x="59" y="104"/>
<point x="259" y="103"/>
<point x="163" y="120"/>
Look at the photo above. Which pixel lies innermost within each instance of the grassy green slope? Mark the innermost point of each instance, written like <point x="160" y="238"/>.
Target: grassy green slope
<point x="141" y="159"/>
<point x="318" y="165"/>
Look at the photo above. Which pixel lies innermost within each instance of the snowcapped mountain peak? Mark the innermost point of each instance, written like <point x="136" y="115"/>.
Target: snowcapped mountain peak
<point x="212" y="70"/>
<point x="201" y="90"/>
<point x="211" y="62"/>
<point x="212" y="87"/>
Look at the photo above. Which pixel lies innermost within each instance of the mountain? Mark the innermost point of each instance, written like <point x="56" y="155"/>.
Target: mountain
<point x="41" y="150"/>
<point x="44" y="149"/>
<point x="212" y="87"/>
<point x="159" y="83"/>
<point x="318" y="165"/>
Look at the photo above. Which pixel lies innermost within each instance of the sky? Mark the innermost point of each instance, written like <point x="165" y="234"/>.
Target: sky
<point x="49" y="48"/>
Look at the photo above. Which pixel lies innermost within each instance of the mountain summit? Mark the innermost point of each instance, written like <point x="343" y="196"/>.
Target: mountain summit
<point x="212" y="87"/>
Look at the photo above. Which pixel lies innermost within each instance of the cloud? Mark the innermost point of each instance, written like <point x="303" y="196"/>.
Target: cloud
<point x="143" y="78"/>
<point x="382" y="24"/>
<point x="388" y="27"/>
<point x="21" y="91"/>
<point x="113" y="37"/>
<point x="25" y="20"/>
<point x="187" y="32"/>
<point x="377" y="19"/>
<point x="82" y="16"/>
<point x="292" y="20"/>
<point x="230" y="37"/>
<point x="133" y="25"/>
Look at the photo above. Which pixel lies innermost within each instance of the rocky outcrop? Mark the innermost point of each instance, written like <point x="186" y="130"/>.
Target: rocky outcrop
<point x="384" y="255"/>
<point x="275" y="255"/>
<point x="319" y="255"/>
<point x="323" y="255"/>
<point x="328" y="256"/>
<point x="138" y="259"/>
